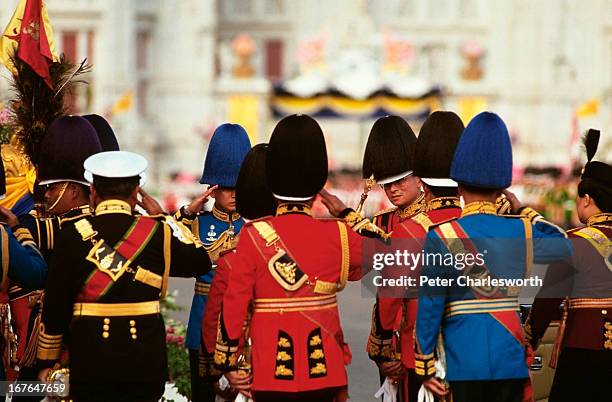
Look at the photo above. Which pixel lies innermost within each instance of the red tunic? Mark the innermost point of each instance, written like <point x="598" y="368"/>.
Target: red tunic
<point x="297" y="340"/>
<point x="395" y="313"/>
<point x="215" y="299"/>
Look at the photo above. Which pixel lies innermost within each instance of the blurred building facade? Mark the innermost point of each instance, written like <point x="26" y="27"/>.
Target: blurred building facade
<point x="165" y="69"/>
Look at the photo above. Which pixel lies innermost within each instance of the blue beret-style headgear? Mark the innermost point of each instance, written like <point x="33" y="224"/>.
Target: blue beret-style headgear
<point x="226" y="151"/>
<point x="483" y="157"/>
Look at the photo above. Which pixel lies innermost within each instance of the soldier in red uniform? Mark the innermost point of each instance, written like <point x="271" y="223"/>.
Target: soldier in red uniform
<point x="290" y="267"/>
<point x="583" y="349"/>
<point x="254" y="200"/>
<point x="388" y="159"/>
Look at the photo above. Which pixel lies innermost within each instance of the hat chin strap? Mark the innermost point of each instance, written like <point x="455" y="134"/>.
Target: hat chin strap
<point x="59" y="197"/>
<point x="286" y="198"/>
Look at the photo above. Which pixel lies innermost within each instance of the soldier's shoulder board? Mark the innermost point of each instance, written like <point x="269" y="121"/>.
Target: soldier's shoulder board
<point x="385" y="211"/>
<point x="251" y="222"/>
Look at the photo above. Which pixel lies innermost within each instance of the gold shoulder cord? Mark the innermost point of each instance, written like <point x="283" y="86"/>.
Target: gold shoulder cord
<point x="344" y="272"/>
<point x="167" y="260"/>
<point x="529" y="246"/>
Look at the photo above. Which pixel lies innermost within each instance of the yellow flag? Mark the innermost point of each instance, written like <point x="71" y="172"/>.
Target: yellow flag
<point x="9" y="45"/>
<point x="589" y="108"/>
<point x="124" y="103"/>
<point x="244" y="110"/>
<point x="470" y="106"/>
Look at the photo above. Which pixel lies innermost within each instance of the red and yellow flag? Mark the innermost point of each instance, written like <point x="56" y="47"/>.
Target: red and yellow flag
<point x="30" y="33"/>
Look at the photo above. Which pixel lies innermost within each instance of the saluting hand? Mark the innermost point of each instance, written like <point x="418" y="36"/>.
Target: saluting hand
<point x="515" y="203"/>
<point x="149" y="203"/>
<point x="198" y="203"/>
<point x="333" y="204"/>
<point x="9" y="217"/>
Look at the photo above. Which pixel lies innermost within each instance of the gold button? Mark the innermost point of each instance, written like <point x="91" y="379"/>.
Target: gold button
<point x="105" y="327"/>
<point x="134" y="336"/>
<point x="107" y="320"/>
<point x="133" y="330"/>
<point x="604" y="312"/>
<point x="132" y="323"/>
<point x="105" y="334"/>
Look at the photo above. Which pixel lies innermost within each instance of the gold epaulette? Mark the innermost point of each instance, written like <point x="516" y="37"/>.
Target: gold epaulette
<point x="179" y="230"/>
<point x="385" y="211"/>
<point x="422" y="220"/>
<point x="599" y="241"/>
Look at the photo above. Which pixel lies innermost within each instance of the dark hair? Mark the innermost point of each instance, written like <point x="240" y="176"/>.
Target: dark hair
<point x="602" y="195"/>
<point x="442" y="191"/>
<point x="479" y="190"/>
<point x="120" y="188"/>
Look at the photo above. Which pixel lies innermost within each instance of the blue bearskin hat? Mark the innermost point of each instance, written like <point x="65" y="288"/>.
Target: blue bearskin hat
<point x="483" y="157"/>
<point x="69" y="140"/>
<point x="226" y="151"/>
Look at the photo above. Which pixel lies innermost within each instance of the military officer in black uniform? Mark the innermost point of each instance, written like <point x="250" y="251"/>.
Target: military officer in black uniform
<point x="68" y="142"/>
<point x="106" y="277"/>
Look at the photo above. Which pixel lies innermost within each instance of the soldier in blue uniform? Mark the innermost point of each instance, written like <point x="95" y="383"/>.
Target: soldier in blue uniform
<point x="217" y="230"/>
<point x="480" y="324"/>
<point x="23" y="265"/>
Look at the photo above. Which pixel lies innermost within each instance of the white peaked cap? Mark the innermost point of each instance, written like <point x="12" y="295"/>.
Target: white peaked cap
<point x="115" y="165"/>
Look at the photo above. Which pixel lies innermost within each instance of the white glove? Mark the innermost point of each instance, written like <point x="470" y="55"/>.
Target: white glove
<point x="388" y="391"/>
<point x="242" y="398"/>
<point x="425" y="395"/>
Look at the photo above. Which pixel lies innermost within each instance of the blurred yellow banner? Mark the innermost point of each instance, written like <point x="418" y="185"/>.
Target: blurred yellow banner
<point x="589" y="108"/>
<point x="470" y="106"/>
<point x="124" y="103"/>
<point x="244" y="110"/>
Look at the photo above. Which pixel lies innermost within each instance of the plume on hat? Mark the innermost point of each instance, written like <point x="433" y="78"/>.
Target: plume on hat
<point x="591" y="142"/>
<point x="35" y="105"/>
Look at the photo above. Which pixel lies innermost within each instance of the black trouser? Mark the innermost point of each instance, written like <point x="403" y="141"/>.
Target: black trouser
<point x="488" y="391"/>
<point x="320" y="395"/>
<point x="201" y="387"/>
<point x="582" y="375"/>
<point x="116" y="391"/>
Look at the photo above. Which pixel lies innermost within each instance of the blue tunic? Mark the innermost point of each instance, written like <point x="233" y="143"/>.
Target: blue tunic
<point x="26" y="267"/>
<point x="477" y="346"/>
<point x="208" y="229"/>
